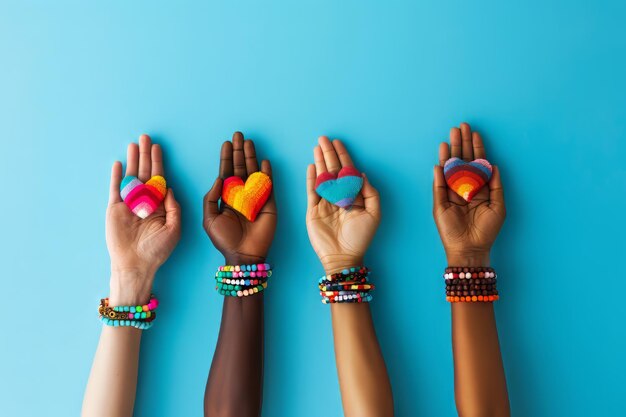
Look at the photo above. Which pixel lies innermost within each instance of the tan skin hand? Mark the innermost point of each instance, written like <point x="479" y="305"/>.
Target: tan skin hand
<point x="239" y="240"/>
<point x="339" y="237"/>
<point x="467" y="230"/>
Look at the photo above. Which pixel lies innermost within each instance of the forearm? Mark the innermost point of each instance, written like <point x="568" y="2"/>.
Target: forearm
<point x="363" y="379"/>
<point x="113" y="379"/>
<point x="235" y="383"/>
<point x="480" y="383"/>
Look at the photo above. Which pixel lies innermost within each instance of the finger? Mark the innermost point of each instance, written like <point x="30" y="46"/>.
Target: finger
<point x="496" y="193"/>
<point x="444" y="153"/>
<point x="145" y="163"/>
<point x="479" y="147"/>
<point x="320" y="164"/>
<point x="252" y="165"/>
<point x="116" y="180"/>
<point x="371" y="198"/>
<point x="172" y="211"/>
<point x="455" y="143"/>
<point x="342" y="153"/>
<point x="312" y="197"/>
<point x="440" y="190"/>
<point x="330" y="156"/>
<point x="157" y="160"/>
<point x="239" y="159"/>
<point x="270" y="206"/>
<point x="226" y="160"/>
<point x="132" y="159"/>
<point x="211" y="202"/>
<point x="466" y="136"/>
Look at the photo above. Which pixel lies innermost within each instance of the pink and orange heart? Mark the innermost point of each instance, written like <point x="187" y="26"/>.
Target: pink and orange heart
<point x="143" y="199"/>
<point x="467" y="178"/>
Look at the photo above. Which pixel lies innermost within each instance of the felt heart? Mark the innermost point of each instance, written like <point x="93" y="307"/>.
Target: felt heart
<point x="467" y="178"/>
<point x="142" y="199"/>
<point x="249" y="198"/>
<point x="341" y="189"/>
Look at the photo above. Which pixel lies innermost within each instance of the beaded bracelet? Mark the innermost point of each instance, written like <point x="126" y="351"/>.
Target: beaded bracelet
<point x="140" y="317"/>
<point x="353" y="273"/>
<point x="242" y="280"/>
<point x="355" y="297"/>
<point x="470" y="284"/>
<point x="241" y="292"/>
<point x="348" y="286"/>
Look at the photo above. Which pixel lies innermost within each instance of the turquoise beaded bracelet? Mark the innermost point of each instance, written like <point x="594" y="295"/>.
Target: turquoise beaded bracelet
<point x="141" y="316"/>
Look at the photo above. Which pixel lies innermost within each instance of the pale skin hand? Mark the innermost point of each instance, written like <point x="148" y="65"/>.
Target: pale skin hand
<point x="340" y="239"/>
<point x="468" y="230"/>
<point x="137" y="248"/>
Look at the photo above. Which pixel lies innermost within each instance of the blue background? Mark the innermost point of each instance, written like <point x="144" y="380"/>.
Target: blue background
<point x="543" y="80"/>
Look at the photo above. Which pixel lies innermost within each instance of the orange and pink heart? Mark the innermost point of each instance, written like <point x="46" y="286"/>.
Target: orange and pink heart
<point x="249" y="197"/>
<point x="467" y="178"/>
<point x="143" y="199"/>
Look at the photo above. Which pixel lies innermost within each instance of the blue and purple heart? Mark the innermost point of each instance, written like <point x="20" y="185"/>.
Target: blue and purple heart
<point x="340" y="189"/>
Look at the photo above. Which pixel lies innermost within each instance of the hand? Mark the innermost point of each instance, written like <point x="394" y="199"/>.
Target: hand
<point x="339" y="237"/>
<point x="138" y="247"/>
<point x="238" y="239"/>
<point x="467" y="230"/>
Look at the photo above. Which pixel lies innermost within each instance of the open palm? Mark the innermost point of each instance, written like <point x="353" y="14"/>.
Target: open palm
<point x="137" y="244"/>
<point x="339" y="237"/>
<point x="239" y="240"/>
<point x="467" y="230"/>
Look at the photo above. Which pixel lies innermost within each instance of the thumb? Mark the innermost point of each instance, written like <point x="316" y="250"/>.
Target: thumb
<point x="211" y="202"/>
<point x="371" y="198"/>
<point x="172" y="210"/>
<point x="496" y="193"/>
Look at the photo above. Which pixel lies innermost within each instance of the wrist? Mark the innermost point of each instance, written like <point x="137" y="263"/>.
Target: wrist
<point x="469" y="259"/>
<point x="337" y="263"/>
<point x="237" y="259"/>
<point x="130" y="287"/>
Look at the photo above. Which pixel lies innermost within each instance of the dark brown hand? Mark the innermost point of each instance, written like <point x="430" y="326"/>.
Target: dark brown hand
<point x="235" y="383"/>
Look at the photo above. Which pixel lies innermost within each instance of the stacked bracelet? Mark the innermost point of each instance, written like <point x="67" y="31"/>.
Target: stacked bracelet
<point x="242" y="280"/>
<point x="470" y="284"/>
<point x="348" y="286"/>
<point x="140" y="317"/>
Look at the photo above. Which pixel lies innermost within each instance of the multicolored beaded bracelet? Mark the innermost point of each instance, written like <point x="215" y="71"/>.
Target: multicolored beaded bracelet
<point x="346" y="286"/>
<point x="470" y="284"/>
<point x="241" y="292"/>
<point x="356" y="297"/>
<point x="351" y="285"/>
<point x="242" y="280"/>
<point x="349" y="274"/>
<point x="140" y="317"/>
